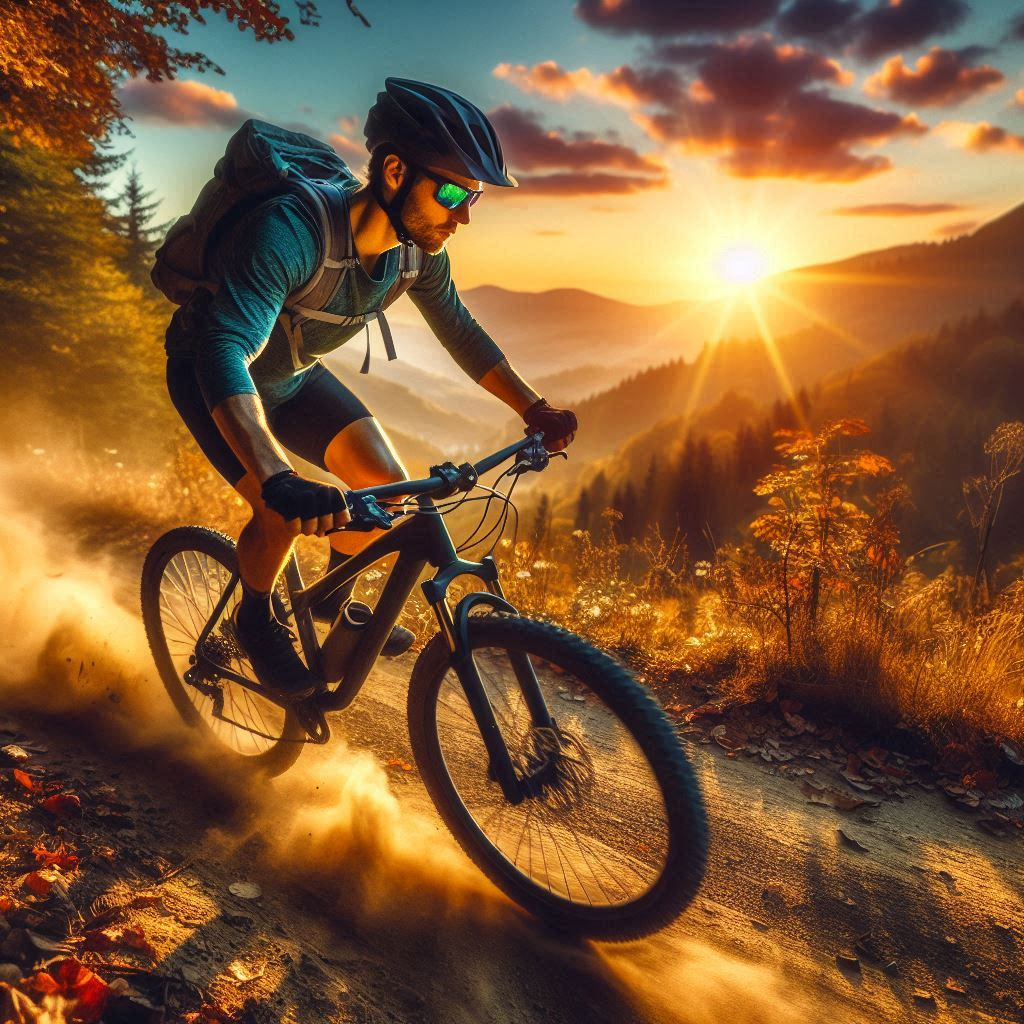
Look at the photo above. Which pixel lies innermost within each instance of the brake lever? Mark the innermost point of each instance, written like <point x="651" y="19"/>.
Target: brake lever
<point x="367" y="515"/>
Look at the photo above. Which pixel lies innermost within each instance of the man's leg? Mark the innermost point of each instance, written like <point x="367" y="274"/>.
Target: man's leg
<point x="265" y="541"/>
<point x="361" y="454"/>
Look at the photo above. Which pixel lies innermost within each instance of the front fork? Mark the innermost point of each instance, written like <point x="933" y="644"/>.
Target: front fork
<point x="455" y="628"/>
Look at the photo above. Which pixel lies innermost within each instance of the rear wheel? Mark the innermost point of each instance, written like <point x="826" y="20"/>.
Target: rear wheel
<point x="613" y="841"/>
<point x="185" y="574"/>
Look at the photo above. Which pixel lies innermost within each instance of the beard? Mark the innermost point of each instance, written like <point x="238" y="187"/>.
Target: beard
<point x="430" y="237"/>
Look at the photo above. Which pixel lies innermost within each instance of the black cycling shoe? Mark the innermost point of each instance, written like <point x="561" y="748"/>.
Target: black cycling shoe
<point x="270" y="647"/>
<point x="357" y="615"/>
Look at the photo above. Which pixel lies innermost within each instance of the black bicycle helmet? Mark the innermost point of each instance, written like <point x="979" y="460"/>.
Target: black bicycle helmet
<point x="427" y="124"/>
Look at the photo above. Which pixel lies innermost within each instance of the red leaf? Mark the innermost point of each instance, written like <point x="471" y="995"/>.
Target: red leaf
<point x="27" y="781"/>
<point x="135" y="938"/>
<point x="63" y="804"/>
<point x="60" y="858"/>
<point x="45" y="983"/>
<point x="89" y="992"/>
<point x="981" y="779"/>
<point x="39" y="883"/>
<point x="99" y="941"/>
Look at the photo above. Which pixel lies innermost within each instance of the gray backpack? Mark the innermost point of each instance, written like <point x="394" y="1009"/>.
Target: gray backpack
<point x="260" y="161"/>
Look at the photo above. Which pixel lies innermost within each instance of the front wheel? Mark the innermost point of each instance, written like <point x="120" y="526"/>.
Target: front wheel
<point x="612" y="843"/>
<point x="184" y="577"/>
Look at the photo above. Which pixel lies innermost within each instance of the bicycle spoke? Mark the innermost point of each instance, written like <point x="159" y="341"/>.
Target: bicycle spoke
<point x="571" y="837"/>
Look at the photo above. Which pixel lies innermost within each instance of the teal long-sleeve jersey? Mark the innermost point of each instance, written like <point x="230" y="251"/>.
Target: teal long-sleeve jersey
<point x="235" y="340"/>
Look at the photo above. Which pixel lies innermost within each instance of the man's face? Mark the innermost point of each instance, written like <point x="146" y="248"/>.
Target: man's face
<point x="429" y="224"/>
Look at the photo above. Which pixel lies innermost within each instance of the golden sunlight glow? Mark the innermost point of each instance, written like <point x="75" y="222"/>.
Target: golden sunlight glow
<point x="741" y="264"/>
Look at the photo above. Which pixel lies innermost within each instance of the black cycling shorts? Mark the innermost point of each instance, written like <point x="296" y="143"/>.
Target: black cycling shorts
<point x="305" y="424"/>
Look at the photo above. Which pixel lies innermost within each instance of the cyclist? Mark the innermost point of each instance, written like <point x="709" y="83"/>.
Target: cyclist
<point x="232" y="375"/>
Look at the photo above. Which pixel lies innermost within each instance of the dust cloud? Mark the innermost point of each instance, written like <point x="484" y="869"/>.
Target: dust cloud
<point x="73" y="649"/>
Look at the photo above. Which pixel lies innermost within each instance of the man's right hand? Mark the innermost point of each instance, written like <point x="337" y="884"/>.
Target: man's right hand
<point x="318" y="507"/>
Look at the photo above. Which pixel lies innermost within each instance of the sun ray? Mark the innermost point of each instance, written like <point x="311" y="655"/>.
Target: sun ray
<point x="773" y="355"/>
<point x="856" y="343"/>
<point x="707" y="356"/>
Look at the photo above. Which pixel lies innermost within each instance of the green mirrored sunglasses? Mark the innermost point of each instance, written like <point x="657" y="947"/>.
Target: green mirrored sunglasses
<point x="448" y="194"/>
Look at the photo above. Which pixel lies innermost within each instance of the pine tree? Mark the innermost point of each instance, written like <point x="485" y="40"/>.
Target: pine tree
<point x="541" y="524"/>
<point x="134" y="225"/>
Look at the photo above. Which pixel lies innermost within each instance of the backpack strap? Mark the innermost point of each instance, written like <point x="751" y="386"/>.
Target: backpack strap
<point x="331" y="204"/>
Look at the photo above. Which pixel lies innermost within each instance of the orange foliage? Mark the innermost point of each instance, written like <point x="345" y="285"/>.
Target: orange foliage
<point x="62" y="60"/>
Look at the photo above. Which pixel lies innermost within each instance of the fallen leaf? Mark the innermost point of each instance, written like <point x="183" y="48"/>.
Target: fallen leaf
<point x="242" y="973"/>
<point x="849" y="842"/>
<point x="135" y="938"/>
<point x="15" y="753"/>
<point x="63" y="804"/>
<point x="245" y="890"/>
<point x="27" y="781"/>
<point x="982" y="779"/>
<point x="41" y="882"/>
<point x="876" y="757"/>
<point x="1013" y="752"/>
<point x="61" y="858"/>
<point x="827" y="797"/>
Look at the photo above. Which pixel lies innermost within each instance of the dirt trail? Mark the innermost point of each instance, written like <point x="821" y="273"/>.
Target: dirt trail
<point x="369" y="912"/>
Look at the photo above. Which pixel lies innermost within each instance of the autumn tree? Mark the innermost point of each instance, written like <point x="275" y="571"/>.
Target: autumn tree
<point x="818" y="535"/>
<point x="61" y="61"/>
<point x="983" y="495"/>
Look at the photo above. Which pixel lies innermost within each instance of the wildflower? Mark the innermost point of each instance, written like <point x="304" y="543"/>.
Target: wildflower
<point x="523" y="574"/>
<point x="596" y="611"/>
<point x="701" y="568"/>
<point x="540" y="565"/>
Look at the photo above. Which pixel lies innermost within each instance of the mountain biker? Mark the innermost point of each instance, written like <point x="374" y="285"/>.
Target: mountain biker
<point x="233" y="379"/>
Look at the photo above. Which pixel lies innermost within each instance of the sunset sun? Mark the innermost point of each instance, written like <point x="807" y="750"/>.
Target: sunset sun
<point x="741" y="264"/>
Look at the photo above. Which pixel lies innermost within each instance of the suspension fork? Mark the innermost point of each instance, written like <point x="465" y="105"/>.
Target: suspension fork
<point x="525" y="674"/>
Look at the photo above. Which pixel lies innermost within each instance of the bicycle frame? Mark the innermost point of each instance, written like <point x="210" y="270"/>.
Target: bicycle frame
<point x="421" y="539"/>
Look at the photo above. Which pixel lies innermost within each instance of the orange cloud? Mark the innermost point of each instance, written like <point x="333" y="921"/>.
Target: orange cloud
<point x="624" y="86"/>
<point x="940" y="78"/>
<point x="981" y="137"/>
<point x="961" y="227"/>
<point x="182" y="103"/>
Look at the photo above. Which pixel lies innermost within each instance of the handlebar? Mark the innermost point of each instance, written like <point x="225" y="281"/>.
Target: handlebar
<point x="363" y="502"/>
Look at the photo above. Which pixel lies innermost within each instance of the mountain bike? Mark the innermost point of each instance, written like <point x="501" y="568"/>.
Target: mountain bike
<point x="556" y="771"/>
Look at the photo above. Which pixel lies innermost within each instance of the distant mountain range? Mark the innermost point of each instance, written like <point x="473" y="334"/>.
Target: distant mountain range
<point x="625" y="367"/>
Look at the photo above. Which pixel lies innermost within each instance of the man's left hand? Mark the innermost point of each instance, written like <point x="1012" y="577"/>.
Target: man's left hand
<point x="558" y="425"/>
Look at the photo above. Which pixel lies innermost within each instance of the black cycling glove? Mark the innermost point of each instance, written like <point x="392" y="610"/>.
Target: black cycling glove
<point x="557" y="424"/>
<point x="294" y="497"/>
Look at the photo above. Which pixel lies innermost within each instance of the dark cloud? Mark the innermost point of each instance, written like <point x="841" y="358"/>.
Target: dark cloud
<point x="588" y="183"/>
<point x="941" y="78"/>
<point x="754" y="73"/>
<point x="817" y="19"/>
<point x="896" y="209"/>
<point x="961" y="227"/>
<point x="529" y="146"/>
<point x="1017" y="27"/>
<point x="892" y="26"/>
<point x="811" y="136"/>
<point x="675" y="17"/>
<point x="182" y="103"/>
